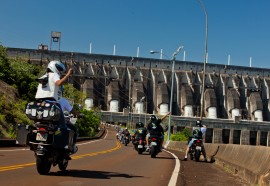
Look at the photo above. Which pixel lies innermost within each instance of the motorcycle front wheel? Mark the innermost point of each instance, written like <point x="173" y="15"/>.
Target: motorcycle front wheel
<point x="43" y="165"/>
<point x="191" y="154"/>
<point x="63" y="164"/>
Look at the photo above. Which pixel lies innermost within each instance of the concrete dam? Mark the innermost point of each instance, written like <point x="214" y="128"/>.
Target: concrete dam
<point x="236" y="106"/>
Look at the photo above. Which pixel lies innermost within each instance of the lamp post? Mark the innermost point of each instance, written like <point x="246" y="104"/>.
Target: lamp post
<point x="172" y="86"/>
<point x="130" y="110"/>
<point x="205" y="58"/>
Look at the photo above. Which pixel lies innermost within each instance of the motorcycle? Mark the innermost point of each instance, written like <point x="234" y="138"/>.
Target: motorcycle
<point x="51" y="140"/>
<point x="139" y="145"/>
<point x="154" y="147"/>
<point x="196" y="150"/>
<point x="119" y="135"/>
<point x="126" y="139"/>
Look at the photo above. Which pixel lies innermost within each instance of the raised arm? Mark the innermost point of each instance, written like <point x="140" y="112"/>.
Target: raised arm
<point x="63" y="79"/>
<point x="165" y="116"/>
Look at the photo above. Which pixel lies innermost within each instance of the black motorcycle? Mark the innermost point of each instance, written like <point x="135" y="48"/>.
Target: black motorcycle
<point x="154" y="147"/>
<point x="125" y="138"/>
<point x="51" y="141"/>
<point x="196" y="150"/>
<point x="139" y="144"/>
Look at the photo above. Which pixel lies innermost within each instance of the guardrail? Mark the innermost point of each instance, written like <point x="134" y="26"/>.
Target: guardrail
<point x="237" y="124"/>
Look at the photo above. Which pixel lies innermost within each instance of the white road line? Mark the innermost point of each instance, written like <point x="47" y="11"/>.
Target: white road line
<point x="13" y="150"/>
<point x="78" y="144"/>
<point x="173" y="180"/>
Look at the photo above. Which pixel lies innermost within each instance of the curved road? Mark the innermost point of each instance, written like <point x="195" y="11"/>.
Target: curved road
<point x="107" y="162"/>
<point x="99" y="162"/>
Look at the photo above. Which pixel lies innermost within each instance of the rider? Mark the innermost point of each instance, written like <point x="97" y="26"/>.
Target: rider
<point x="141" y="132"/>
<point x="197" y="132"/>
<point x="154" y="128"/>
<point x="67" y="108"/>
<point x="50" y="89"/>
<point x="125" y="133"/>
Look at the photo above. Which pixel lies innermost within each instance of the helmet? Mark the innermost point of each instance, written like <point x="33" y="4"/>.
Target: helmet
<point x="198" y="123"/>
<point x="56" y="67"/>
<point x="197" y="133"/>
<point x="153" y="118"/>
<point x="140" y="124"/>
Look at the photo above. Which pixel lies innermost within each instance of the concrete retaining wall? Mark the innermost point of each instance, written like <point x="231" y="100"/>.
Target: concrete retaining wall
<point x="251" y="163"/>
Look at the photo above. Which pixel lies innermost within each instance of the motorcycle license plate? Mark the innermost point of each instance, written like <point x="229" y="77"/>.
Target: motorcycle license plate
<point x="153" y="143"/>
<point x="140" y="146"/>
<point x="198" y="148"/>
<point x="41" y="136"/>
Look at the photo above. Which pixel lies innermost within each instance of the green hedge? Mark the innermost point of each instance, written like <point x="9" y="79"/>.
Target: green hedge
<point x="181" y="136"/>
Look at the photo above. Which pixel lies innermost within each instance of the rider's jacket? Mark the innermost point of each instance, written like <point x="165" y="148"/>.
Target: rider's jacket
<point x="49" y="89"/>
<point x="140" y="132"/>
<point x="155" y="128"/>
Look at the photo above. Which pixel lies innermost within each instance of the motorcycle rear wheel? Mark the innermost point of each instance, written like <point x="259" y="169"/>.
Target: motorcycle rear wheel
<point x="197" y="155"/>
<point x="43" y="165"/>
<point x="140" y="151"/>
<point x="153" y="152"/>
<point x="63" y="164"/>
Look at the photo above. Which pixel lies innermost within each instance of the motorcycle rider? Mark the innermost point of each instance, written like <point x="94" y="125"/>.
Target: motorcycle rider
<point x="154" y="128"/>
<point x="125" y="133"/>
<point x="50" y="88"/>
<point x="67" y="108"/>
<point x="198" y="133"/>
<point x="119" y="133"/>
<point x="140" y="132"/>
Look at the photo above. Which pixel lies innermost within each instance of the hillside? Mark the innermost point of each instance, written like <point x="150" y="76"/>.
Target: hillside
<point x="8" y="91"/>
<point x="8" y="97"/>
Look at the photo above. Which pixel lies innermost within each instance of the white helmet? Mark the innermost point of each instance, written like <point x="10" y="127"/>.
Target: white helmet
<point x="56" y="67"/>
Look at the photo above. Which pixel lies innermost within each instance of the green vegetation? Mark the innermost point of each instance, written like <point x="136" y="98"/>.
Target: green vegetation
<point x="181" y="136"/>
<point x="18" y="86"/>
<point x="88" y="125"/>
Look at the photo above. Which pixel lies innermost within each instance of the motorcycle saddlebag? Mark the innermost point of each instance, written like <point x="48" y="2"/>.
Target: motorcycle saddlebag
<point x="43" y="111"/>
<point x="63" y="139"/>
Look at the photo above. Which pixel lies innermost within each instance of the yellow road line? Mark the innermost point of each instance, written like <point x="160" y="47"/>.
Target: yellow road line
<point x="14" y="167"/>
<point x="118" y="146"/>
<point x="17" y="166"/>
<point x="7" y="169"/>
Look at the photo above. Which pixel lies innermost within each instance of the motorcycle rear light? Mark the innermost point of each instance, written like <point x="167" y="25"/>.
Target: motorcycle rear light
<point x="42" y="130"/>
<point x="154" y="139"/>
<point x="198" y="141"/>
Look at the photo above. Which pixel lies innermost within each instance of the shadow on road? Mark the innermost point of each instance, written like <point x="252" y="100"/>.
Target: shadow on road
<point x="91" y="174"/>
<point x="208" y="161"/>
<point x="160" y="157"/>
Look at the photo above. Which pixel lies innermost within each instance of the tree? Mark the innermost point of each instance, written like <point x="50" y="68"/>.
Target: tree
<point x="88" y="125"/>
<point x="20" y="74"/>
<point x="72" y="94"/>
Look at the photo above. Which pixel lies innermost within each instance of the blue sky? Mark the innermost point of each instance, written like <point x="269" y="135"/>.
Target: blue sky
<point x="239" y="28"/>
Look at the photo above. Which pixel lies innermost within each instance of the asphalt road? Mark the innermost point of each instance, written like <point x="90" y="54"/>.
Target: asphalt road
<point x="107" y="162"/>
